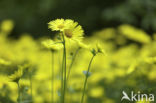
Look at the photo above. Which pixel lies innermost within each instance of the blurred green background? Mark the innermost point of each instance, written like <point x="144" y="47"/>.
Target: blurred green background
<point x="32" y="16"/>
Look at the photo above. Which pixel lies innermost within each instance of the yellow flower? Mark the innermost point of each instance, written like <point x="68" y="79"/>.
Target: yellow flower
<point x="150" y="60"/>
<point x="7" y="25"/>
<point x="50" y="44"/>
<point x="70" y="29"/>
<point x="56" y="25"/>
<point x="74" y="33"/>
<point x="96" y="92"/>
<point x="3" y="80"/>
<point x="83" y="45"/>
<point x="17" y="75"/>
<point x="4" y="62"/>
<point x="59" y="24"/>
<point x="143" y="101"/>
<point x="134" y="34"/>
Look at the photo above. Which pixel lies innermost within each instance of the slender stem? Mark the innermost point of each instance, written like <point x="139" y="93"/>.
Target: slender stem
<point x="30" y="78"/>
<point x="62" y="82"/>
<point x="70" y="67"/>
<point x="73" y="59"/>
<point x="64" y="89"/>
<point x="87" y="75"/>
<point x="52" y="77"/>
<point x="19" y="95"/>
<point x="60" y="75"/>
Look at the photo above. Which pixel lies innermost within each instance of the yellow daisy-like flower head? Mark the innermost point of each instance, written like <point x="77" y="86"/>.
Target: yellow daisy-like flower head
<point x="17" y="75"/>
<point x="83" y="45"/>
<point x="60" y="24"/>
<point x="4" y="62"/>
<point x="50" y="44"/>
<point x="56" y="25"/>
<point x="74" y="33"/>
<point x="70" y="29"/>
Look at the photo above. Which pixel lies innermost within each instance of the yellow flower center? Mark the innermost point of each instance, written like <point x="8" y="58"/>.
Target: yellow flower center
<point x="68" y="33"/>
<point x="61" y="26"/>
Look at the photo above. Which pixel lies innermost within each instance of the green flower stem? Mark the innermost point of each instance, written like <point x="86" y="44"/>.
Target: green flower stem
<point x="64" y="88"/>
<point x="19" y="95"/>
<point x="59" y="74"/>
<point x="73" y="59"/>
<point x="70" y="67"/>
<point x="52" y="77"/>
<point x="62" y="82"/>
<point x="30" y="79"/>
<point x="87" y="75"/>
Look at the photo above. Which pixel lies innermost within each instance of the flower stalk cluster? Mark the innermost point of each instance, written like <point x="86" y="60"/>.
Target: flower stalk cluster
<point x="16" y="78"/>
<point x="69" y="34"/>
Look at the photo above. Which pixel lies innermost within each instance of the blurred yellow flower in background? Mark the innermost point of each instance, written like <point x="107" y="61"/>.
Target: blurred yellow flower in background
<point x="50" y="44"/>
<point x="134" y="34"/>
<point x="150" y="60"/>
<point x="143" y="101"/>
<point x="96" y="92"/>
<point x="4" y="62"/>
<point x="109" y="73"/>
<point x="4" y="80"/>
<point x="83" y="45"/>
<point x="17" y="75"/>
<point x="7" y="26"/>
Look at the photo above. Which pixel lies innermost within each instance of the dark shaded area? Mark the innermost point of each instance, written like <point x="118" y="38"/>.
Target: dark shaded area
<point x="32" y="16"/>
